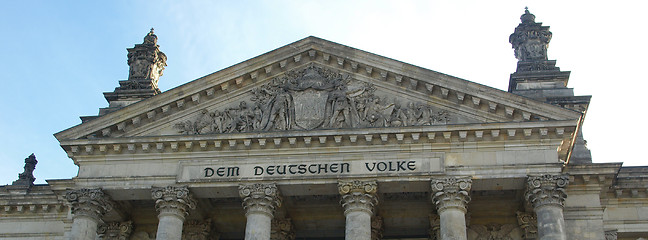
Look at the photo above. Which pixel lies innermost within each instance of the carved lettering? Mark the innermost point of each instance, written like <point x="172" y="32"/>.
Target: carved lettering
<point x="391" y="166"/>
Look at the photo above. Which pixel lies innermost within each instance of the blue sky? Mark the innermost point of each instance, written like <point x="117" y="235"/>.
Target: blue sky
<point x="58" y="57"/>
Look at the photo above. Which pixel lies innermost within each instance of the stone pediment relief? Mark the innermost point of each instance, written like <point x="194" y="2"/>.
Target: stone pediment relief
<point x="314" y="98"/>
<point x="375" y="92"/>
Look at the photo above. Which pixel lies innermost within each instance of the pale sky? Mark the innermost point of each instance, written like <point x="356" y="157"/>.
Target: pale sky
<point x="58" y="57"/>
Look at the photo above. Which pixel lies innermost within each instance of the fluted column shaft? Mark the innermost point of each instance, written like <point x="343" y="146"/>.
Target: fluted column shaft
<point x="173" y="204"/>
<point x="88" y="207"/>
<point x="451" y="196"/>
<point x="358" y="201"/>
<point x="547" y="195"/>
<point x="260" y="202"/>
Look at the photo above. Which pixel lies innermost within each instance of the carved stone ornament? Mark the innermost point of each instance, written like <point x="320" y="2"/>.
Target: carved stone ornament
<point x="146" y="63"/>
<point x="547" y="190"/>
<point x="435" y="227"/>
<point x="282" y="229"/>
<point x="494" y="231"/>
<point x="260" y="198"/>
<point x="197" y="230"/>
<point x="313" y="98"/>
<point x="377" y="228"/>
<point x="115" y="230"/>
<point x="91" y="203"/>
<point x="451" y="192"/>
<point x="529" y="223"/>
<point x="358" y="195"/>
<point x="26" y="178"/>
<point x="611" y="235"/>
<point x="173" y="200"/>
<point x="530" y="39"/>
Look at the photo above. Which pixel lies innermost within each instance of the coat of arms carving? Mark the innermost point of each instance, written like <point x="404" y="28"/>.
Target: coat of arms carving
<point x="313" y="98"/>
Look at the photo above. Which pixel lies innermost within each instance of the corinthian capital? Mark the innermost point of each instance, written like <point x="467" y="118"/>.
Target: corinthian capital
<point x="547" y="190"/>
<point x="451" y="192"/>
<point x="173" y="200"/>
<point x="260" y="198"/>
<point x="91" y="203"/>
<point x="358" y="195"/>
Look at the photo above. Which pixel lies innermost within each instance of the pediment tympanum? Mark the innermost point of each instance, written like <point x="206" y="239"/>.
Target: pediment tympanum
<point x="315" y="98"/>
<point x="316" y="90"/>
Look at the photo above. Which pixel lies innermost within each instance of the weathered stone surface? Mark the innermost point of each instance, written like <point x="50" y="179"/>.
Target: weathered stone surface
<point x="451" y="195"/>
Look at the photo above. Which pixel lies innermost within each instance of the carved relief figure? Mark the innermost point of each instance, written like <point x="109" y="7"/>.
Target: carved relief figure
<point x="313" y="98"/>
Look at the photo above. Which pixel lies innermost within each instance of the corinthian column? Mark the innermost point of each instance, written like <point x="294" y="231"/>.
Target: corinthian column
<point x="260" y="202"/>
<point x="451" y="197"/>
<point x="358" y="201"/>
<point x="546" y="193"/>
<point x="173" y="204"/>
<point x="88" y="207"/>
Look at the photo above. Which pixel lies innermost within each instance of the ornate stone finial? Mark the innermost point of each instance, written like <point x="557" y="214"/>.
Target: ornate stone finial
<point x="146" y="62"/>
<point x="358" y="195"/>
<point x="173" y="200"/>
<point x="196" y="230"/>
<point x="150" y="38"/>
<point x="260" y="198"/>
<point x="451" y="192"/>
<point x="530" y="39"/>
<point x="282" y="229"/>
<point x="26" y="178"/>
<point x="91" y="203"/>
<point x="115" y="230"/>
<point x="527" y="17"/>
<point x="547" y="190"/>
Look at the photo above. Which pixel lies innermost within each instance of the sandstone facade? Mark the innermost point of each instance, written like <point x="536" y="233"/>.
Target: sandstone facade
<point x="317" y="140"/>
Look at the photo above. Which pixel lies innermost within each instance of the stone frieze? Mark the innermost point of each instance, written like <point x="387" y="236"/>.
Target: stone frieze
<point x="313" y="98"/>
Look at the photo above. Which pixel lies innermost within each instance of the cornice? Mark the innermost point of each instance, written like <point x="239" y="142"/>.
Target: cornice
<point x="483" y="132"/>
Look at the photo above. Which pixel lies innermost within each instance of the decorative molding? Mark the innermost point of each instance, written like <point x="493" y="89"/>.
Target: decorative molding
<point x="611" y="235"/>
<point x="451" y="192"/>
<point x="358" y="195"/>
<point x="115" y="230"/>
<point x="494" y="231"/>
<point x="92" y="203"/>
<point x="435" y="227"/>
<point x="173" y="200"/>
<point x="529" y="223"/>
<point x="262" y="198"/>
<point x="197" y="230"/>
<point x="547" y="190"/>
<point x="282" y="229"/>
<point x="377" y="228"/>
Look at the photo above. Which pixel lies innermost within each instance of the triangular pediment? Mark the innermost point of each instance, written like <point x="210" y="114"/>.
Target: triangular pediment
<point x="317" y="85"/>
